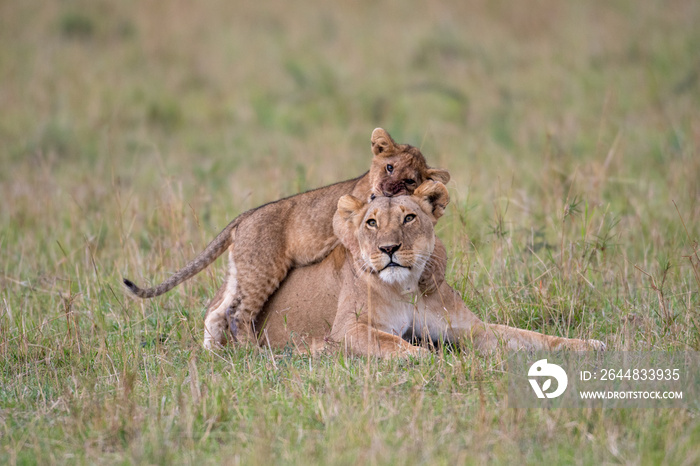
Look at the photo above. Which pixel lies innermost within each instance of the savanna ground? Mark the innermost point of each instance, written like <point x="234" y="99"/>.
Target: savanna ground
<point x="132" y="132"/>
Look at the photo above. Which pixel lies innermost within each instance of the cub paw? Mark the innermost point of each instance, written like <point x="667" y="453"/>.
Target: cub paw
<point x="240" y="331"/>
<point x="231" y="323"/>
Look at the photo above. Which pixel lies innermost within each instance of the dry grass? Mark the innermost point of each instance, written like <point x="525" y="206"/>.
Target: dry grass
<point x="131" y="132"/>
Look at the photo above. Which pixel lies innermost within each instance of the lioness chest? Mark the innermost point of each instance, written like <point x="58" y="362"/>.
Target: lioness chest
<point x="407" y="317"/>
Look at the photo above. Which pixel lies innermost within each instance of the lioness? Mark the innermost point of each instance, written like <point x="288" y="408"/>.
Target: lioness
<point x="365" y="295"/>
<point x="264" y="243"/>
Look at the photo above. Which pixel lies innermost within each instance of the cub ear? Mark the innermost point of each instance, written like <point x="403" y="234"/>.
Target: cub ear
<point x="382" y="143"/>
<point x="433" y="197"/>
<point x="437" y="174"/>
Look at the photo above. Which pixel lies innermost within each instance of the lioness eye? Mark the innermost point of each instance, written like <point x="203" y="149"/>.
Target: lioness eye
<point x="409" y="181"/>
<point x="389" y="168"/>
<point x="409" y="218"/>
<point x="372" y="223"/>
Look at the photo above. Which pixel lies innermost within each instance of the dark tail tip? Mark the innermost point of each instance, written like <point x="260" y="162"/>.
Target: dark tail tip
<point x="131" y="285"/>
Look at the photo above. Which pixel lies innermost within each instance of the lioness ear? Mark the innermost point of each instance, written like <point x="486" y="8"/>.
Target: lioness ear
<point x="437" y="174"/>
<point x="349" y="206"/>
<point x="382" y="142"/>
<point x="345" y="221"/>
<point x="433" y="197"/>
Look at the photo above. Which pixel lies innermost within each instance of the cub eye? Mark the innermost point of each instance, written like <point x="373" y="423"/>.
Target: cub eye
<point x="409" y="218"/>
<point x="409" y="181"/>
<point x="389" y="168"/>
<point x="372" y="223"/>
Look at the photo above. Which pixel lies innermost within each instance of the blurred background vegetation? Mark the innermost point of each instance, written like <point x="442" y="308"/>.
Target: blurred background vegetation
<point x="131" y="132"/>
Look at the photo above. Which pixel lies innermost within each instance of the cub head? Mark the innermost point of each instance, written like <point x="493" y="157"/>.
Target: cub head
<point x="392" y="237"/>
<point x="399" y="169"/>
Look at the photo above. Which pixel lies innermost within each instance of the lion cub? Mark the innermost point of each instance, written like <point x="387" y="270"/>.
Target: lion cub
<point x="266" y="242"/>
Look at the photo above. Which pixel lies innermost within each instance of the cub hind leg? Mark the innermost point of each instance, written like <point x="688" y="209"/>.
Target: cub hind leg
<point x="248" y="284"/>
<point x="256" y="283"/>
<point x="215" y="321"/>
<point x="263" y="254"/>
<point x="232" y="311"/>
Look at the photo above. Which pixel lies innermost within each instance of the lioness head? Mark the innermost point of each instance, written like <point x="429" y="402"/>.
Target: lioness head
<point x="392" y="237"/>
<point x="399" y="169"/>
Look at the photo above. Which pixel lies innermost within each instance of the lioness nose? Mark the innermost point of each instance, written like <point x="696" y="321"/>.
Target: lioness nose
<point x="390" y="249"/>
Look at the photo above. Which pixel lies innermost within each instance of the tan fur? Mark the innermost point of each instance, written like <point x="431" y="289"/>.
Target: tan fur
<point x="264" y="243"/>
<point x="351" y="299"/>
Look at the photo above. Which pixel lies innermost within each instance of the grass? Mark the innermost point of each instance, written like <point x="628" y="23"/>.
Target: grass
<point x="132" y="132"/>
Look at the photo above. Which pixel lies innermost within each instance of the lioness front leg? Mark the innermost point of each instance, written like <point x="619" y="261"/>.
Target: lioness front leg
<point x="361" y="339"/>
<point x="450" y="315"/>
<point x="492" y="335"/>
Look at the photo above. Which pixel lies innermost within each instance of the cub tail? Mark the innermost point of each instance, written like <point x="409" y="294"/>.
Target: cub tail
<point x="216" y="248"/>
